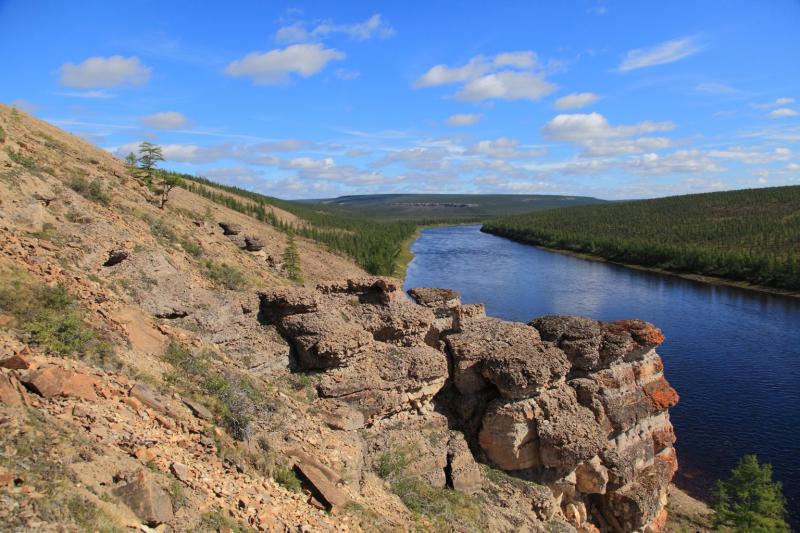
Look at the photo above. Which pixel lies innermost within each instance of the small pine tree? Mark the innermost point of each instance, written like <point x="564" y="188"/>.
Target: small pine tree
<point x="749" y="501"/>
<point x="291" y="259"/>
<point x="149" y="156"/>
<point x="130" y="161"/>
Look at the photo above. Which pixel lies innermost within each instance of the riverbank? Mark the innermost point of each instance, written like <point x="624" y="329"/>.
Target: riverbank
<point x="712" y="280"/>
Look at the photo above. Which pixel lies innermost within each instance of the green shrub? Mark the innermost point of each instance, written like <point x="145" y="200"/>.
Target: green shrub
<point x="53" y="320"/>
<point x="286" y="478"/>
<point x="2" y="135"/>
<point x="160" y="229"/>
<point x="191" y="247"/>
<point x="91" y="190"/>
<point x="21" y="159"/>
<point x="216" y="520"/>
<point x="224" y="276"/>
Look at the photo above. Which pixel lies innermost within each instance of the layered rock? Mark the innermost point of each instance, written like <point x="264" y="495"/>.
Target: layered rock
<point x="575" y="404"/>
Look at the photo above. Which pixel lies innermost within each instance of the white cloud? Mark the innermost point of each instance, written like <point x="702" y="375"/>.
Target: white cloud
<point x="576" y="100"/>
<point x="523" y="186"/>
<point x="752" y="156"/>
<point x="463" y="119"/>
<point x="782" y="112"/>
<point x="661" y="54"/>
<point x="105" y="72"/>
<point x="167" y="120"/>
<point x="444" y="75"/>
<point x="784" y="101"/>
<point x="715" y="88"/>
<point x="506" y="76"/>
<point x="599" y="138"/>
<point x="503" y="148"/>
<point x="506" y="85"/>
<point x="361" y="31"/>
<point x="276" y="66"/>
<point x="373" y="27"/>
<point x="680" y="162"/>
<point x="87" y="94"/>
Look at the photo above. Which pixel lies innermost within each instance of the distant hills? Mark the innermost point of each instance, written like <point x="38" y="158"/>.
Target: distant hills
<point x="449" y="207"/>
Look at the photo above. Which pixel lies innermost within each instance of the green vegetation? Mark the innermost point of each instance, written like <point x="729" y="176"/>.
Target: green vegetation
<point x="749" y="501"/>
<point x="38" y="455"/>
<point x="438" y="509"/>
<point x="91" y="190"/>
<point x="374" y="245"/>
<point x="216" y="520"/>
<point x="224" y="275"/>
<point x="291" y="259"/>
<point x="748" y="235"/>
<point x="52" y="319"/>
<point x="2" y="135"/>
<point x="448" y="208"/>
<point x="160" y="229"/>
<point x="149" y="156"/>
<point x="21" y="159"/>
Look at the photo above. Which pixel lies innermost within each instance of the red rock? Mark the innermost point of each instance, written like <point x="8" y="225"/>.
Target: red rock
<point x="16" y="362"/>
<point x="325" y="491"/>
<point x="661" y="393"/>
<point x="146" y="499"/>
<point x="55" y="381"/>
<point x="9" y="395"/>
<point x="145" y="454"/>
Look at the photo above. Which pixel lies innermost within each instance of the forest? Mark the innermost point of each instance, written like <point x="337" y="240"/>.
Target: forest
<point x="373" y="245"/>
<point x="748" y="235"/>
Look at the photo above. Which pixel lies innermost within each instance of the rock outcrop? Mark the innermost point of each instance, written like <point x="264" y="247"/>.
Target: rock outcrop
<point x="575" y="404"/>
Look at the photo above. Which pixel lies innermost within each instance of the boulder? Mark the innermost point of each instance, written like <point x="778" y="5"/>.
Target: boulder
<point x="149" y="502"/>
<point x="435" y="298"/>
<point x="18" y="361"/>
<point x="115" y="257"/>
<point x="463" y="472"/>
<point x="9" y="392"/>
<point x="322" y="488"/>
<point x="253" y="244"/>
<point x="198" y="409"/>
<point x="54" y="381"/>
<point x="229" y="228"/>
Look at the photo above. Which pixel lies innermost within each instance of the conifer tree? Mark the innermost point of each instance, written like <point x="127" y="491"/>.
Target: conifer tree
<point x="749" y="501"/>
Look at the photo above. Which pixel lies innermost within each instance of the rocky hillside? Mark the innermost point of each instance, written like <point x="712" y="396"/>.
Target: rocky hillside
<point x="159" y="371"/>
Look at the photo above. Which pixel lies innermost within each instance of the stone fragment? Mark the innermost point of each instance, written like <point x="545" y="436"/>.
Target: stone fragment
<point x="435" y="298"/>
<point x="145" y="455"/>
<point x="253" y="244"/>
<point x="463" y="471"/>
<point x="322" y="489"/>
<point x="591" y="477"/>
<point x="9" y="395"/>
<point x="18" y="361"/>
<point x="115" y="257"/>
<point x="181" y="472"/>
<point x="146" y="499"/>
<point x="149" y="397"/>
<point x="339" y="415"/>
<point x="198" y="409"/>
<point x="229" y="228"/>
<point x="54" y="381"/>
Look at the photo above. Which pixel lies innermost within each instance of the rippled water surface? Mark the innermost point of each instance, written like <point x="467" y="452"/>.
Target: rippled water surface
<point x="732" y="354"/>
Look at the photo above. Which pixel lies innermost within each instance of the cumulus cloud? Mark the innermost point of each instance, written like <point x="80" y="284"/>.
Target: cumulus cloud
<point x="593" y="132"/>
<point x="276" y="66"/>
<point x="167" y="120"/>
<point x="783" y="112"/>
<point x="506" y="76"/>
<point x="503" y="148"/>
<point x="463" y="119"/>
<point x="661" y="54"/>
<point x="373" y="27"/>
<point x="105" y="72"/>
<point x="506" y="85"/>
<point x="751" y="156"/>
<point x="494" y="183"/>
<point x="679" y="162"/>
<point x="576" y="100"/>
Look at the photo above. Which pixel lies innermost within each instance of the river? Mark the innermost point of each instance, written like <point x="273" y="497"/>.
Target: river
<point x="733" y="355"/>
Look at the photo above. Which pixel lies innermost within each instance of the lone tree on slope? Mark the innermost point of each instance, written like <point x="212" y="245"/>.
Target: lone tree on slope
<point x="749" y="501"/>
<point x="149" y="156"/>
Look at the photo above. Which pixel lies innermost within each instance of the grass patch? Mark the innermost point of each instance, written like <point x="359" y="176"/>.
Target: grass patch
<point x="224" y="275"/>
<point x="21" y="159"/>
<point x="38" y="456"/>
<point x="233" y="397"/>
<point x="52" y="319"/>
<point x="91" y="190"/>
<point x="216" y="520"/>
<point x="47" y="233"/>
<point x="160" y="229"/>
<point x="191" y="247"/>
<point x="437" y="509"/>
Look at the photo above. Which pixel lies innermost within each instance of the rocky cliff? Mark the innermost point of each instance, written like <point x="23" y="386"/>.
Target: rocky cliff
<point x="575" y="405"/>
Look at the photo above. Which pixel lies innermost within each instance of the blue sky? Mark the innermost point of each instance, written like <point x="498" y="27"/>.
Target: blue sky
<point x="320" y="99"/>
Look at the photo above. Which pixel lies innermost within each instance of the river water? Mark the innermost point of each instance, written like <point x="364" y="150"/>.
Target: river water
<point x="733" y="355"/>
